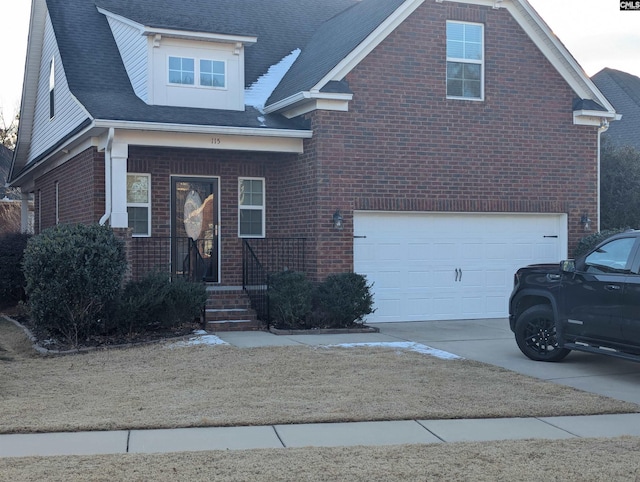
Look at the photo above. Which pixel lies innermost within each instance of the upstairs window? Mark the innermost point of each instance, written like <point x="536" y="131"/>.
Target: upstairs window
<point x="52" y="89"/>
<point x="202" y="73"/>
<point x="251" y="208"/>
<point x="181" y="71"/>
<point x="465" y="60"/>
<point x="212" y="73"/>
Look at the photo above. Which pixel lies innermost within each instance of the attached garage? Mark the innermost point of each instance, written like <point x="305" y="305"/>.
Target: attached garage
<point x="444" y="266"/>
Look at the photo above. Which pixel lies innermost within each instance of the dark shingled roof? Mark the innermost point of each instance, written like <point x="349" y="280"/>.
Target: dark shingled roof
<point x="623" y="92"/>
<point x="325" y="31"/>
<point x="332" y="42"/>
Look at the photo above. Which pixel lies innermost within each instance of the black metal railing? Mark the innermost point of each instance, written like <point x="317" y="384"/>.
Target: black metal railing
<point x="255" y="281"/>
<point x="182" y="257"/>
<point x="265" y="256"/>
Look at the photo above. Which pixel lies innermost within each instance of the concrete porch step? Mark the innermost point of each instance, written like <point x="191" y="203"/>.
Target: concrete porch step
<point x="233" y="325"/>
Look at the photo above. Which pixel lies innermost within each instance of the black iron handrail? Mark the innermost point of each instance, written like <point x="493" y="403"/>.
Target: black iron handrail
<point x="255" y="282"/>
<point x="194" y="260"/>
<point x="264" y="256"/>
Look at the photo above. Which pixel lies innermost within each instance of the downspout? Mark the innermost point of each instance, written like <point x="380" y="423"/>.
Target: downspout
<point x="604" y="126"/>
<point x="108" y="178"/>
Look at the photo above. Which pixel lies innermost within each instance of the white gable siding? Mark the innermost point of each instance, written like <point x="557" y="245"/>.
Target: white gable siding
<point x="69" y="114"/>
<point x="134" y="52"/>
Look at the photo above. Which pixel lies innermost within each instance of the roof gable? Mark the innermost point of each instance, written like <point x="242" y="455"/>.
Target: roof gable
<point x="623" y="91"/>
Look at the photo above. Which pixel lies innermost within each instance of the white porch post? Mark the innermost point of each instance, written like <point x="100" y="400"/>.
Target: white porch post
<point x="24" y="213"/>
<point x="119" y="155"/>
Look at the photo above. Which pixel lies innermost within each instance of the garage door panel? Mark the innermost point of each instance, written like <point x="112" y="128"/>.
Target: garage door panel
<point x="415" y="260"/>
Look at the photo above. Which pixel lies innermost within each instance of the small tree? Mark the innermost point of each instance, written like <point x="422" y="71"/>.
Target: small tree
<point x="73" y="274"/>
<point x="12" y="248"/>
<point x="619" y="186"/>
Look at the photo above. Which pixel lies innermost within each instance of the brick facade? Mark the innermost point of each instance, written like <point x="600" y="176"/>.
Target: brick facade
<point x="402" y="146"/>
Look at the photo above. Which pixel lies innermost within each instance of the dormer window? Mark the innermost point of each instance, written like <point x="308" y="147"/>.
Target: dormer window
<point x="211" y="73"/>
<point x="181" y="71"/>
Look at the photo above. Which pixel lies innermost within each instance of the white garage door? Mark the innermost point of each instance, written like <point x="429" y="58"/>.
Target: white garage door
<point x="450" y="266"/>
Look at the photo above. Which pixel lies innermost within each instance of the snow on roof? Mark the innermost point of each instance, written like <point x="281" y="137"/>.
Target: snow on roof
<point x="256" y="94"/>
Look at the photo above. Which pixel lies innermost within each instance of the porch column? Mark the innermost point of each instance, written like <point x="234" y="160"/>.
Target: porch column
<point x="119" y="155"/>
<point x="24" y="213"/>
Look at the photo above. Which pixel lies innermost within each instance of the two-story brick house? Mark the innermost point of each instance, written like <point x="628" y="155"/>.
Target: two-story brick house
<point x="432" y="145"/>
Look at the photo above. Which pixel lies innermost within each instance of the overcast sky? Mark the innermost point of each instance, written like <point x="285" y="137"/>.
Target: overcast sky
<point x="596" y="33"/>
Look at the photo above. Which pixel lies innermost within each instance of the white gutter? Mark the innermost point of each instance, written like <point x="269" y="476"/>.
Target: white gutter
<point x="604" y="126"/>
<point x="107" y="178"/>
<point x="200" y="129"/>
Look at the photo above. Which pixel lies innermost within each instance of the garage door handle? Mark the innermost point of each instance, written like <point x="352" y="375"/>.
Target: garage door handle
<point x="458" y="274"/>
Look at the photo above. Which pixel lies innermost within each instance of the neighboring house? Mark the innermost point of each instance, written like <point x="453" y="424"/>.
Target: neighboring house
<point x="434" y="146"/>
<point x="6" y="155"/>
<point x="623" y="91"/>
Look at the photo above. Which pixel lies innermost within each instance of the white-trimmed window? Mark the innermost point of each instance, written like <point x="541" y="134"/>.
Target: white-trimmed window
<point x="465" y="60"/>
<point x="52" y="89"/>
<point x="207" y="73"/>
<point x="251" y="212"/>
<point x="139" y="203"/>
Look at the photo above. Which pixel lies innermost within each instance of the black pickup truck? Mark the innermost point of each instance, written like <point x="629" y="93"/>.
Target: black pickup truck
<point x="589" y="304"/>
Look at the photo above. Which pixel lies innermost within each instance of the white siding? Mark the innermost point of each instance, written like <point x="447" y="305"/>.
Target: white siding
<point x="69" y="114"/>
<point x="133" y="50"/>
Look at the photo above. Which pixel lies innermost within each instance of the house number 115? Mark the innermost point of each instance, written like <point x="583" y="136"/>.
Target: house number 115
<point x="216" y="141"/>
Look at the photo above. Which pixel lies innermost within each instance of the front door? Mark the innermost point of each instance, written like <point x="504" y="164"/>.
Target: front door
<point x="194" y="228"/>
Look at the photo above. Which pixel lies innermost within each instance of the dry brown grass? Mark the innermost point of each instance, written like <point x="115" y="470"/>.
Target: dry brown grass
<point x="158" y="386"/>
<point x="585" y="460"/>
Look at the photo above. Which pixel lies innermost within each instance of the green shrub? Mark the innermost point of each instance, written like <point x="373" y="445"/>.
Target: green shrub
<point x="587" y="243"/>
<point x="290" y="298"/>
<point x="73" y="273"/>
<point x="158" y="302"/>
<point x="12" y="247"/>
<point x="343" y="300"/>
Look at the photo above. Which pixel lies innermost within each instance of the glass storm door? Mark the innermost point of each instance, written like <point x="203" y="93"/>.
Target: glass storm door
<point x="194" y="228"/>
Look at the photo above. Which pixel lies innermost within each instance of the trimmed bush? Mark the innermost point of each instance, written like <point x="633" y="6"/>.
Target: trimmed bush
<point x="73" y="274"/>
<point x="12" y="246"/>
<point x="158" y="302"/>
<point x="290" y="298"/>
<point x="587" y="243"/>
<point x="343" y="300"/>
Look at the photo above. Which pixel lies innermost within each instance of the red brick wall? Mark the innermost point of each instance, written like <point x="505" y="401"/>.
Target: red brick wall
<point x="404" y="146"/>
<point x="81" y="191"/>
<point x="401" y="147"/>
<point x="228" y="166"/>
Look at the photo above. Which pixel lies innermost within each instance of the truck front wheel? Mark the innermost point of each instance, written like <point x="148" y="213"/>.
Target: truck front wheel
<point x="536" y="335"/>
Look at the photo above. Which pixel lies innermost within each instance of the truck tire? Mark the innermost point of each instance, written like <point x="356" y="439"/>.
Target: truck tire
<point x="535" y="332"/>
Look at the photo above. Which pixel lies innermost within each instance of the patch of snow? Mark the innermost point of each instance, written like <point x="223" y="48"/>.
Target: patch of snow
<point x="256" y="94"/>
<point x="201" y="339"/>
<point x="406" y="345"/>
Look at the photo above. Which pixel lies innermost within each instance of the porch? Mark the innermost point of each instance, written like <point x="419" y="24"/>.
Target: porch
<point x="237" y="285"/>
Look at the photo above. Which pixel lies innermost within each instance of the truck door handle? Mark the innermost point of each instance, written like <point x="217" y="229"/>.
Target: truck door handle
<point x="612" y="287"/>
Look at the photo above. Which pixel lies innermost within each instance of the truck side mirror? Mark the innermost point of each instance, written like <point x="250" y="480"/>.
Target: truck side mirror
<point x="568" y="266"/>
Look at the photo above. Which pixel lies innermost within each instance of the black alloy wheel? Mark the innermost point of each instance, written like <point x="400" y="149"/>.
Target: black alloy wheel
<point x="536" y="335"/>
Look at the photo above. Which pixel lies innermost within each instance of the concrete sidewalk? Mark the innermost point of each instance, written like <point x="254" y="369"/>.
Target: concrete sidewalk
<point x="316" y="435"/>
<point x="489" y="341"/>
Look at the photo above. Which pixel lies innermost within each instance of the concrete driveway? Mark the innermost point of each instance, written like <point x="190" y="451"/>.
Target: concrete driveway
<point x="491" y="341"/>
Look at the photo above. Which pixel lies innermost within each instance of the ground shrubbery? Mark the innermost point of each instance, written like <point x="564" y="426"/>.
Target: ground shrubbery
<point x="587" y="243"/>
<point x="73" y="276"/>
<point x="158" y="302"/>
<point x="340" y="301"/>
<point x="74" y="284"/>
<point x="12" y="282"/>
